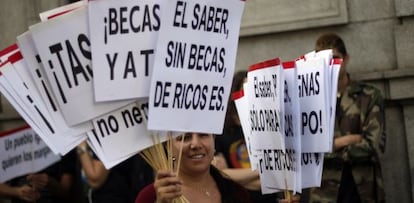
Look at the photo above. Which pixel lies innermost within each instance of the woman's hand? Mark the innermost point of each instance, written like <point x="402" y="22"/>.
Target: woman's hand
<point x="167" y="186"/>
<point x="38" y="181"/>
<point x="27" y="193"/>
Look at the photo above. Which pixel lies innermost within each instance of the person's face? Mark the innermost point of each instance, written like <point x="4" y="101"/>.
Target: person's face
<point x="197" y="151"/>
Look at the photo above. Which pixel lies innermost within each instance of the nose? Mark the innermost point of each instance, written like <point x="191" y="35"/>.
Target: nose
<point x="195" y="141"/>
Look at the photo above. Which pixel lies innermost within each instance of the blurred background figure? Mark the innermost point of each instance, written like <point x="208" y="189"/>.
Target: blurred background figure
<point x="120" y="184"/>
<point x="352" y="173"/>
<point x="56" y="183"/>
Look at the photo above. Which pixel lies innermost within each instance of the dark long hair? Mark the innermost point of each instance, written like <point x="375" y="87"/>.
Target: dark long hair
<point x="231" y="118"/>
<point x="231" y="192"/>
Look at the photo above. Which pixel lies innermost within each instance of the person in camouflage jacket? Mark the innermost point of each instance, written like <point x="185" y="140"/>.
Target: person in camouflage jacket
<point x="352" y="172"/>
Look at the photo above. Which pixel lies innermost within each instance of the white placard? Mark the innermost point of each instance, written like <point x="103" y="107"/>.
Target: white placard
<point x="123" y="38"/>
<point x="22" y="152"/>
<point x="42" y="85"/>
<point x="265" y="104"/>
<point x="314" y="104"/>
<point x="194" y="65"/>
<point x="64" y="47"/>
<point x="312" y="166"/>
<point x="124" y="131"/>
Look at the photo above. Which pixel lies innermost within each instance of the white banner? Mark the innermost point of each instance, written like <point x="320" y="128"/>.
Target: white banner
<point x="314" y="104"/>
<point x="265" y="104"/>
<point x="64" y="47"/>
<point x="23" y="152"/>
<point x="194" y="65"/>
<point x="123" y="132"/>
<point x="41" y="84"/>
<point x="123" y="38"/>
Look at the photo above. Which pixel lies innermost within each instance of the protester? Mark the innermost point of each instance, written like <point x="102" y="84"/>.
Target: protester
<point x="352" y="173"/>
<point x="232" y="156"/>
<point x="53" y="184"/>
<point x="198" y="181"/>
<point x="120" y="184"/>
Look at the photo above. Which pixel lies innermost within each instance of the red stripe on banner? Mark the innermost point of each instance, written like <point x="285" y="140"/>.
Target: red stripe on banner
<point x="300" y="58"/>
<point x="237" y="95"/>
<point x="15" y="57"/>
<point x="8" y="49"/>
<point x="58" y="14"/>
<point x="4" y="63"/>
<point x="8" y="132"/>
<point x="288" y="64"/>
<point x="336" y="61"/>
<point x="265" y="64"/>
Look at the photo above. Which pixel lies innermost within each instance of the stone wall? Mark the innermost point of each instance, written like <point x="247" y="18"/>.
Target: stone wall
<point x="378" y="35"/>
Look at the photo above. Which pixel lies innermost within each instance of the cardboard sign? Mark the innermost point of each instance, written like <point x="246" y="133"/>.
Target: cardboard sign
<point x="14" y="89"/>
<point x="312" y="166"/>
<point x="64" y="47"/>
<point x="123" y="38"/>
<point x="265" y="88"/>
<point x="44" y="16"/>
<point x="194" y="65"/>
<point x="314" y="104"/>
<point x="41" y="84"/>
<point x="265" y="104"/>
<point x="23" y="152"/>
<point x="124" y="131"/>
<point x="242" y="110"/>
<point x="8" y="51"/>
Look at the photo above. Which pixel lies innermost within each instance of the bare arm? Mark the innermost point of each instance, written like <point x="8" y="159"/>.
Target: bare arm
<point x="344" y="141"/>
<point x="94" y="170"/>
<point x="244" y="176"/>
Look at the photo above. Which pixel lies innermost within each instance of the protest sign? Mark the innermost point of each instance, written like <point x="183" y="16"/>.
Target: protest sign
<point x="194" y="65"/>
<point x="293" y="141"/>
<point x="124" y="131"/>
<point x="96" y="147"/>
<point x="334" y="75"/>
<point x="46" y="15"/>
<point x="23" y="152"/>
<point x="312" y="166"/>
<point x="42" y="85"/>
<point x="8" y="51"/>
<point x="242" y="110"/>
<point x="265" y="85"/>
<point x="64" y="47"/>
<point x="123" y="38"/>
<point x="265" y="96"/>
<point x="29" y="93"/>
<point x="314" y="104"/>
<point x="14" y="89"/>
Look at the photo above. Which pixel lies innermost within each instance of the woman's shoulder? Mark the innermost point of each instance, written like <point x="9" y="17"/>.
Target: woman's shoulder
<point x="146" y="195"/>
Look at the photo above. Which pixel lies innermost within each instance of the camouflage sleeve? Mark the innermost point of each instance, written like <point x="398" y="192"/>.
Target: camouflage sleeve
<point x="373" y="130"/>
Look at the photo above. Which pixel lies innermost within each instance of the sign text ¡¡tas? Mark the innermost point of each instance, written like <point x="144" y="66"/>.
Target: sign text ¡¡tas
<point x="77" y="70"/>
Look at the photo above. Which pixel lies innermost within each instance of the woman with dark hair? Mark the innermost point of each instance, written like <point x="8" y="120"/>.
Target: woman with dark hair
<point x="198" y="180"/>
